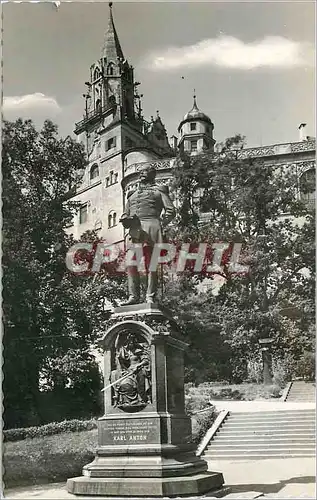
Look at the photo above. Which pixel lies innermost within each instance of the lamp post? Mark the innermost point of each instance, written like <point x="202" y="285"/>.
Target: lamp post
<point x="265" y="344"/>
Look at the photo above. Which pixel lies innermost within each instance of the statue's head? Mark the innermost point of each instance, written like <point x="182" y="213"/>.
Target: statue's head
<point x="148" y="174"/>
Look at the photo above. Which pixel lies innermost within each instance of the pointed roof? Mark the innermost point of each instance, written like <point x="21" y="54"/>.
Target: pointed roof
<point x="194" y="114"/>
<point x="111" y="48"/>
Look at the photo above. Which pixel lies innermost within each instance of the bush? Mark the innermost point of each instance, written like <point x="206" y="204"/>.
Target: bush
<point x="306" y="366"/>
<point x="302" y="367"/>
<point x="201" y="423"/>
<point x="280" y="374"/>
<point x="255" y="371"/>
<point x="49" y="429"/>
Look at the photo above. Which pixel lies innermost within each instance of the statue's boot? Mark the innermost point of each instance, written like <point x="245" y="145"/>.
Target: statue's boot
<point x="151" y="287"/>
<point x="133" y="286"/>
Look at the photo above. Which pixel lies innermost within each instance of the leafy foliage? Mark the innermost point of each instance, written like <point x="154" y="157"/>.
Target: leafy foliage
<point x="48" y="333"/>
<point x="224" y="199"/>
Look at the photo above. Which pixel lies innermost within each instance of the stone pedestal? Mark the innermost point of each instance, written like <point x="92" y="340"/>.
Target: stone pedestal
<point x="144" y="439"/>
<point x="265" y="344"/>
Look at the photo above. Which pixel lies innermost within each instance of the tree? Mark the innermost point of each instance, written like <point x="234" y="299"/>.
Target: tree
<point x="45" y="322"/>
<point x="223" y="198"/>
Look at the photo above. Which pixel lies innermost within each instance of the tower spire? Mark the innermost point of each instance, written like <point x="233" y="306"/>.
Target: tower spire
<point x="195" y="103"/>
<point x="111" y="47"/>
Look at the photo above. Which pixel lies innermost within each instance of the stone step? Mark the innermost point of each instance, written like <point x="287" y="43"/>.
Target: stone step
<point x="268" y="418"/>
<point x="223" y="440"/>
<point x="245" y="435"/>
<point x="258" y="450"/>
<point x="258" y="456"/>
<point x="281" y="413"/>
<point x="267" y="445"/>
<point x="303" y="399"/>
<point x="282" y="409"/>
<point x="301" y="391"/>
<point x="309" y="426"/>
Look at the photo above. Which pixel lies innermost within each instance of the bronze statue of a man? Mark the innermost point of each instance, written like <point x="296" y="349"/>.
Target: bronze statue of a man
<point x="142" y="217"/>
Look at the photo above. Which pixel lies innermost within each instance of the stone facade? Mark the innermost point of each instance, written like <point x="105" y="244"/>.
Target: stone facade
<point x="120" y="142"/>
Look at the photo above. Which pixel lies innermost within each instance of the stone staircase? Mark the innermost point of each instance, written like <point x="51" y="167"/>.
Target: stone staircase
<point x="264" y="434"/>
<point x="301" y="391"/>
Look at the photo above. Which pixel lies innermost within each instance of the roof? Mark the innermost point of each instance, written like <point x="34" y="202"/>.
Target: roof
<point x="111" y="48"/>
<point x="195" y="114"/>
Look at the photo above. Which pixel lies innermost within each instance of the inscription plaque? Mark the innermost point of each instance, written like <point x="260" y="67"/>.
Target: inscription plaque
<point x="129" y="431"/>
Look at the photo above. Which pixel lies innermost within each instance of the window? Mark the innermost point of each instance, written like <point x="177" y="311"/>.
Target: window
<point x="307" y="187"/>
<point x="94" y="172"/>
<point x="193" y="126"/>
<point x="193" y="145"/>
<point x="112" y="101"/>
<point x="111" y="143"/>
<point x="98" y="105"/>
<point x="83" y="214"/>
<point x="110" y="69"/>
<point x="112" y="219"/>
<point x="98" y="225"/>
<point x="112" y="179"/>
<point x="96" y="74"/>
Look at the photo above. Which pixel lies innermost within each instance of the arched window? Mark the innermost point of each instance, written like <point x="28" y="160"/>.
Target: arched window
<point x="98" y="105"/>
<point x="112" y="219"/>
<point x="110" y="69"/>
<point x="96" y="74"/>
<point x="308" y="187"/>
<point x="94" y="171"/>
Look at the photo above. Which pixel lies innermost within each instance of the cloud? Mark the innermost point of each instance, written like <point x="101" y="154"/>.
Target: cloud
<point x="30" y="104"/>
<point x="230" y="52"/>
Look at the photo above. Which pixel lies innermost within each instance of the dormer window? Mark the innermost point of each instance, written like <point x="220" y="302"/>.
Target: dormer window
<point x="193" y="126"/>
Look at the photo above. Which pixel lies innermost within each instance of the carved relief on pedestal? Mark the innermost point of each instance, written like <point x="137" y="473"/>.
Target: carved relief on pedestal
<point x="131" y="371"/>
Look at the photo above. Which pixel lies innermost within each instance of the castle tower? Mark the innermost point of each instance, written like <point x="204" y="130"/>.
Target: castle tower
<point x="196" y="131"/>
<point x="116" y="136"/>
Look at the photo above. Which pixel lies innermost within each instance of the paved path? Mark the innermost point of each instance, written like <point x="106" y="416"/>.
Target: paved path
<point x="286" y="478"/>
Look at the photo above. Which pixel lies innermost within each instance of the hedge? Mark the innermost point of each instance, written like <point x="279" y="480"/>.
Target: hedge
<point x="49" y="429"/>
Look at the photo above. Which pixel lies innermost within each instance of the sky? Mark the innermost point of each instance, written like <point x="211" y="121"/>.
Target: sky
<point x="250" y="63"/>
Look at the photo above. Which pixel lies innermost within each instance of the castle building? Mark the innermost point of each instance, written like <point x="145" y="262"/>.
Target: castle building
<point x="120" y="142"/>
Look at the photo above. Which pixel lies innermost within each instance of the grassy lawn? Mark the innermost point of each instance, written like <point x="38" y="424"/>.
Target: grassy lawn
<point x="48" y="459"/>
<point x="198" y="397"/>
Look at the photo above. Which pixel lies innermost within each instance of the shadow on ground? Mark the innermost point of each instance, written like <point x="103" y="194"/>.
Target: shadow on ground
<point x="272" y="488"/>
